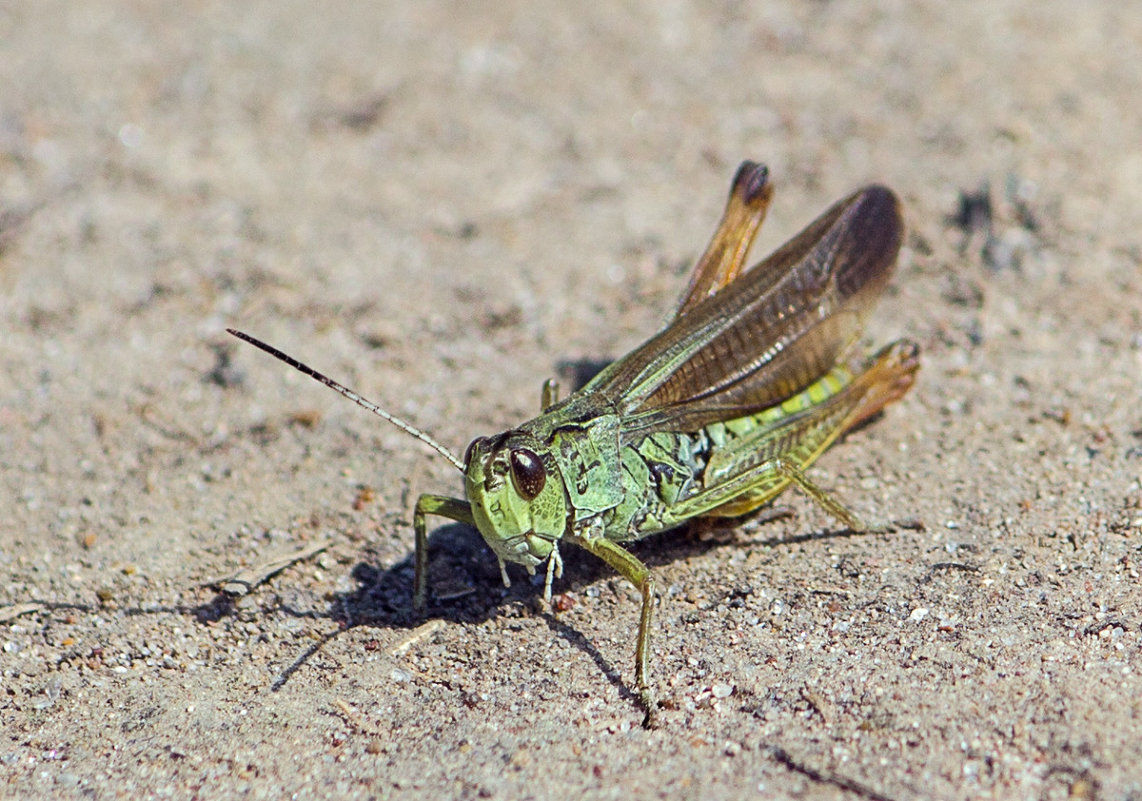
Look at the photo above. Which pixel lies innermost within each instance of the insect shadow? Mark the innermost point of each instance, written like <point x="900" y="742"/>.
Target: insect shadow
<point x="467" y="587"/>
<point x="578" y="372"/>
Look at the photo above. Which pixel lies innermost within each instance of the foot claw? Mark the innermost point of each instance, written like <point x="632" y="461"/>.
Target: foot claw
<point x="648" y="702"/>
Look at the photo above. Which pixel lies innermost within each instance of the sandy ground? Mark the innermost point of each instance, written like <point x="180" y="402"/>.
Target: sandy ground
<point x="443" y="206"/>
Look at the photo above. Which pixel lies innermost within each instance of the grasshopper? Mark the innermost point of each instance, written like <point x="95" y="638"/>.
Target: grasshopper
<point x="757" y="374"/>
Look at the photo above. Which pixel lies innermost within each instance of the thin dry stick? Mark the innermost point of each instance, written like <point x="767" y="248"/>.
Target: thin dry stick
<point x="245" y="580"/>
<point x="416" y="635"/>
<point x="16" y="610"/>
<point x="354" y="718"/>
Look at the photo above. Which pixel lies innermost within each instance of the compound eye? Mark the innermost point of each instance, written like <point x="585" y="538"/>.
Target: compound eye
<point x="477" y="442"/>
<point x="528" y="473"/>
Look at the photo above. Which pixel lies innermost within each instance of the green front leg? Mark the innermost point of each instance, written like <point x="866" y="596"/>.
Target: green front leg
<point x="638" y="574"/>
<point x="451" y="508"/>
<point x="549" y="395"/>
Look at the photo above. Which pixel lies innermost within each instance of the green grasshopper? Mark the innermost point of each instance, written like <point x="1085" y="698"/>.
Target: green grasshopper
<point x="757" y="374"/>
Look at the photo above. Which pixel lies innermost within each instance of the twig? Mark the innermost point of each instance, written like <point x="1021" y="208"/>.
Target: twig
<point x="245" y="580"/>
<point x="416" y="635"/>
<point x="16" y="610"/>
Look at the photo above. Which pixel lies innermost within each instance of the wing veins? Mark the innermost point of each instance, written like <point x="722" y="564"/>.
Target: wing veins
<point x="766" y="335"/>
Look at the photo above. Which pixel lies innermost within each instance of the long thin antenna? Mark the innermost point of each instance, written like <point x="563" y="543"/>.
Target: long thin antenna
<point x="353" y="396"/>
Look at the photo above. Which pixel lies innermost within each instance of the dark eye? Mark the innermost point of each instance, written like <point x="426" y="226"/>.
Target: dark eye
<point x="471" y="447"/>
<point x="528" y="473"/>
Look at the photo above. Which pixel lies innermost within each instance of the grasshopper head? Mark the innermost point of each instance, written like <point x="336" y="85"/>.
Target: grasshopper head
<point x="517" y="497"/>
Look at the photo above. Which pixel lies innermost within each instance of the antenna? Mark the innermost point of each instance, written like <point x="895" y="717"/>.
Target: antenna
<point x="353" y="396"/>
